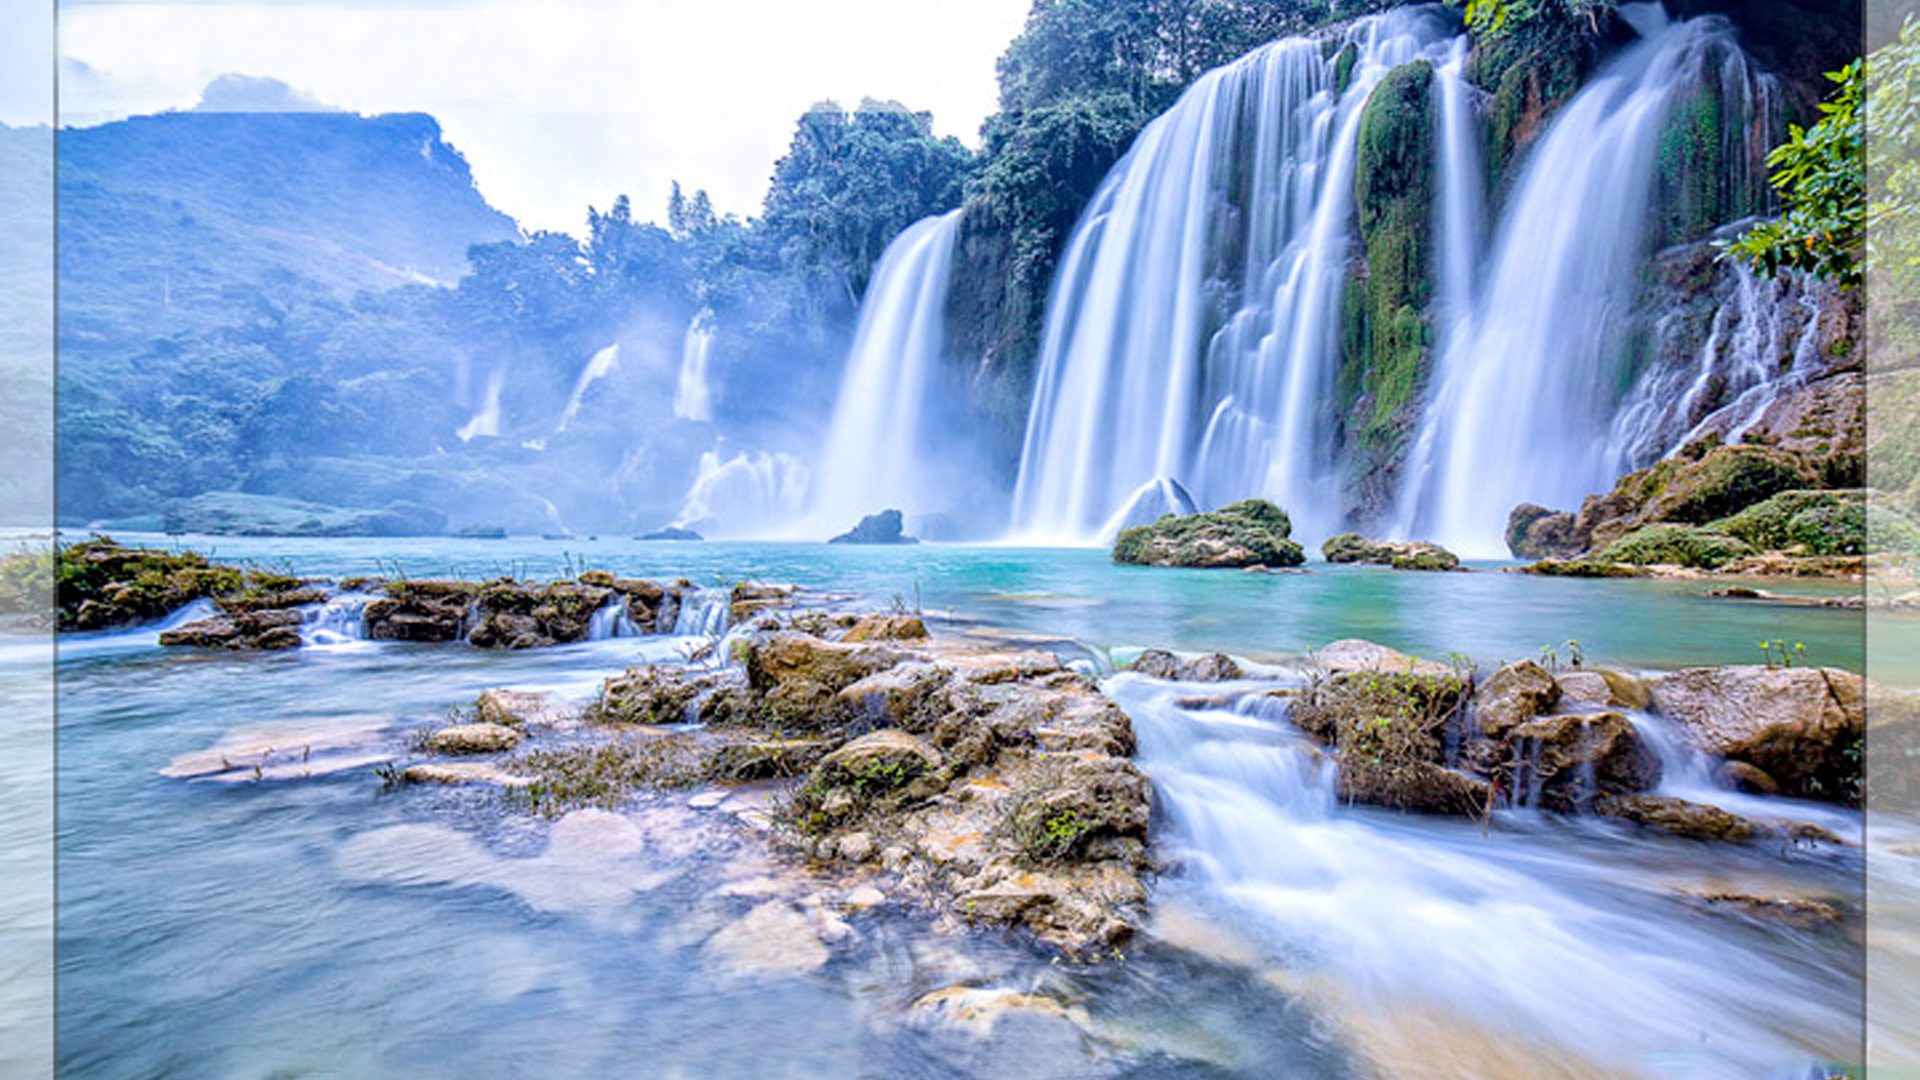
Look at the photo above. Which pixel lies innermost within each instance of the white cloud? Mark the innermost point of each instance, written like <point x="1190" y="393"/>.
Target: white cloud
<point x="560" y="104"/>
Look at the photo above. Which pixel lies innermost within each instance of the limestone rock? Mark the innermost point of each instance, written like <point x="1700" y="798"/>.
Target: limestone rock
<point x="475" y="738"/>
<point x="1800" y="726"/>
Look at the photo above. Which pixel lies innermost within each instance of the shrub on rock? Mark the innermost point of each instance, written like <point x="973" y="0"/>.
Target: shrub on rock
<point x="1252" y="532"/>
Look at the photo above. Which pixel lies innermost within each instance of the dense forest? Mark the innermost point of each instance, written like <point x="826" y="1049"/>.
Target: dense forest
<point x="325" y="315"/>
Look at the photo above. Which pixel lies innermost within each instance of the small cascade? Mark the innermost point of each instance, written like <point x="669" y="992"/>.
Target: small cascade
<point x="692" y="397"/>
<point x="599" y="366"/>
<point x="878" y="451"/>
<point x="1193" y="331"/>
<point x="1493" y="933"/>
<point x="1763" y="340"/>
<point x="487" y="420"/>
<point x="190" y="613"/>
<point x="338" y="620"/>
<point x="1527" y="388"/>
<point x="750" y="494"/>
<point x="703" y="613"/>
<point x="611" y="620"/>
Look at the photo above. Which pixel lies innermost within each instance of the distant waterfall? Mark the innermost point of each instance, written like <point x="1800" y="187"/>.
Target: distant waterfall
<point x="1528" y="390"/>
<point x="1193" y="329"/>
<point x="748" y="495"/>
<point x="692" y="398"/>
<point x="873" y="456"/>
<point x="599" y="366"/>
<point x="487" y="420"/>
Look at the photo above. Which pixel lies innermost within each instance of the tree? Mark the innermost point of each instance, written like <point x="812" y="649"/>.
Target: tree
<point x="1820" y="173"/>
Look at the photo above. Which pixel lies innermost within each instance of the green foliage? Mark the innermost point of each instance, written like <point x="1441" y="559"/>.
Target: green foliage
<point x="1511" y="18"/>
<point x="1820" y="522"/>
<point x="121" y="585"/>
<point x="1249" y="532"/>
<point x="1675" y="545"/>
<point x="1820" y="173"/>
<point x="1777" y="654"/>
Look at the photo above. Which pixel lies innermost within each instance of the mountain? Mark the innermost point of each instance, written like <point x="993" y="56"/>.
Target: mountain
<point x="167" y="221"/>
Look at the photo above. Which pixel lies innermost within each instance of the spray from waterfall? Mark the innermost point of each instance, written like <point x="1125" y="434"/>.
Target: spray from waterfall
<point x="1528" y="386"/>
<point x="1193" y="332"/>
<point x="749" y="494"/>
<point x="599" y="366"/>
<point x="879" y="452"/>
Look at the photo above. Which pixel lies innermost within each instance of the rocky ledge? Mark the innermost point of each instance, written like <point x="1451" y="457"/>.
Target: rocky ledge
<point x="993" y="786"/>
<point x="1252" y="532"/>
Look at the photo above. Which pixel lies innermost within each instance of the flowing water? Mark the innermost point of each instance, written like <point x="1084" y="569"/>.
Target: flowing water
<point x="879" y="449"/>
<point x="692" y="397"/>
<point x="1528" y="389"/>
<point x="599" y="366"/>
<point x="302" y="917"/>
<point x="750" y="493"/>
<point x="1193" y="328"/>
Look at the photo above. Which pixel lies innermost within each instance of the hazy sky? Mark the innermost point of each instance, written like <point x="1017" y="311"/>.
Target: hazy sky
<point x="559" y="104"/>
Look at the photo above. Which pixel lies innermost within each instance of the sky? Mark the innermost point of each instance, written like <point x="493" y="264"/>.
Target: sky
<point x="558" y="104"/>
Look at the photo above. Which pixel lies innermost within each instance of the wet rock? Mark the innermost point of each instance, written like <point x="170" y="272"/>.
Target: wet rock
<point x="885" y="527"/>
<point x="887" y="628"/>
<point x="1604" y="688"/>
<point x="421" y="610"/>
<point x="749" y="598"/>
<point x="1513" y="695"/>
<point x="519" y="708"/>
<point x="886" y="759"/>
<point x="1570" y="760"/>
<point x="1535" y="532"/>
<point x="1582" y="568"/>
<point x="519" y="615"/>
<point x="797" y="675"/>
<point x="1696" y="821"/>
<point x="904" y="695"/>
<point x="1353" y="654"/>
<point x="1384" y="722"/>
<point x="453" y="773"/>
<point x="1802" y="727"/>
<point x="664" y="695"/>
<point x="1800" y="913"/>
<point x="1748" y="777"/>
<point x="1160" y="664"/>
<point x="1252" y="532"/>
<point x="475" y="738"/>
<point x="272" y="628"/>
<point x="1399" y="554"/>
<point x="976" y="1011"/>
<point x="773" y="939"/>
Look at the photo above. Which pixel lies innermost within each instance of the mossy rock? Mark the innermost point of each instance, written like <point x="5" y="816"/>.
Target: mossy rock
<point x="1723" y="481"/>
<point x="1675" y="545"/>
<point x="1399" y="554"/>
<point x="1581" y="568"/>
<point x="1252" y="532"/>
<point x="1819" y="522"/>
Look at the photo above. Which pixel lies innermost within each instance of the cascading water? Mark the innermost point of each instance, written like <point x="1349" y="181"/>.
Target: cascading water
<point x="873" y="455"/>
<point x="487" y="420"/>
<point x="1193" y="329"/>
<point x="599" y="366"/>
<point x="611" y="620"/>
<point x="1527" y="389"/>
<point x="749" y="494"/>
<point x="1438" y="942"/>
<point x="703" y="613"/>
<point x="1763" y="339"/>
<point x="1460" y="224"/>
<point x="692" y="397"/>
<point x="340" y="620"/>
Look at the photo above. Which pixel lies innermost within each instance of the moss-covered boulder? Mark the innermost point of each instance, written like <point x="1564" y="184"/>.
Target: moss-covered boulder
<point x="1399" y="554"/>
<point x="1675" y="545"/>
<point x="1385" y="728"/>
<point x="100" y="583"/>
<point x="1252" y="532"/>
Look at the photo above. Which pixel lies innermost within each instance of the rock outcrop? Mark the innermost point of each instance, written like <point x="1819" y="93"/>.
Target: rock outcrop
<point x="885" y="527"/>
<point x="1399" y="554"/>
<point x="1252" y="532"/>
<point x="1798" y="730"/>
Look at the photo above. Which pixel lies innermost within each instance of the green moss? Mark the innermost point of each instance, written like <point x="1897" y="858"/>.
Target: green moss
<point x="118" y="585"/>
<point x="1889" y="530"/>
<point x="1580" y="568"/>
<point x="1726" y="480"/>
<point x="1385" y="343"/>
<point x="1247" y="533"/>
<point x="1675" y="545"/>
<point x="1821" y="522"/>
<point x="1343" y="62"/>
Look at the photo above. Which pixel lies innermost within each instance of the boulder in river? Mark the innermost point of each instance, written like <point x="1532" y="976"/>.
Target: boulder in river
<point x="885" y="527"/>
<point x="270" y="628"/>
<point x="1161" y="664"/>
<point x="1399" y="554"/>
<point x="1252" y="532"/>
<point x="1801" y="727"/>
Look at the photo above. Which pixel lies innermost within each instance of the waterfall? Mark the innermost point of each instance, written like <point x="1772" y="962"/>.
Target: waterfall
<point x="1763" y="339"/>
<point x="873" y="456"/>
<point x="752" y="493"/>
<point x="340" y="620"/>
<point x="1529" y="385"/>
<point x="610" y="620"/>
<point x="1193" y="328"/>
<point x="599" y="365"/>
<point x="487" y="420"/>
<point x="1459" y="225"/>
<point x="692" y="398"/>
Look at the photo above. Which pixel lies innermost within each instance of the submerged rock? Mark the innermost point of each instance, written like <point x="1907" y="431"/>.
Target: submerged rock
<point x="885" y="527"/>
<point x="1399" y="554"/>
<point x="1696" y="821"/>
<point x="273" y="628"/>
<point x="1252" y="532"/>
<point x="1160" y="664"/>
